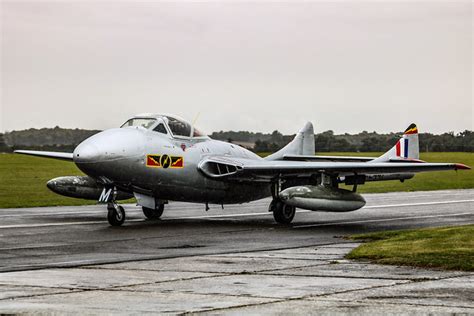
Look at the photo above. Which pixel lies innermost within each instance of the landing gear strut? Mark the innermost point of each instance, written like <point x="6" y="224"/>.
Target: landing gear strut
<point x="153" y="213"/>
<point x="115" y="214"/>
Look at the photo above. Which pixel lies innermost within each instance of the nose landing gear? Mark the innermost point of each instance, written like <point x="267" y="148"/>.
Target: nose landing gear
<point x="115" y="214"/>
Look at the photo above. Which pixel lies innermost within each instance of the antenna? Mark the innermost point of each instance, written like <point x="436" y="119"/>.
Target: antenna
<point x="196" y="118"/>
<point x="193" y="123"/>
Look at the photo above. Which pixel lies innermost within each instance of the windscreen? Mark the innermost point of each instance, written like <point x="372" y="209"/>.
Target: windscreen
<point x="143" y="122"/>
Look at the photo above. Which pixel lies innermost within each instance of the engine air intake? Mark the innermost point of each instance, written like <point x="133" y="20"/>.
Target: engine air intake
<point x="217" y="168"/>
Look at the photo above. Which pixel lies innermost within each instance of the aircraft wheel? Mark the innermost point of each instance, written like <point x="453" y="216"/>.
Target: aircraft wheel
<point x="153" y="213"/>
<point x="116" y="215"/>
<point x="283" y="213"/>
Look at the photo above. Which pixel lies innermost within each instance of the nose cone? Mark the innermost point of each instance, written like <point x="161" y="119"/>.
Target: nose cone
<point x="86" y="152"/>
<point x="103" y="151"/>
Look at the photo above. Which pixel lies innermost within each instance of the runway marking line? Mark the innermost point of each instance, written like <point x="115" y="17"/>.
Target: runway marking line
<point x="266" y="213"/>
<point x="134" y="209"/>
<point x="381" y="220"/>
<point x="418" y="204"/>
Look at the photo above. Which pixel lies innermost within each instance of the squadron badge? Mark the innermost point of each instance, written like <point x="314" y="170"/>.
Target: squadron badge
<point x="164" y="161"/>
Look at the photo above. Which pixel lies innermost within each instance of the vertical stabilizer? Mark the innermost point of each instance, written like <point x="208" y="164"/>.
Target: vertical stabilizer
<point x="407" y="147"/>
<point x="302" y="144"/>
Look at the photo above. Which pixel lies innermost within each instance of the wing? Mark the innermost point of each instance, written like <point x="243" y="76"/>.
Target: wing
<point x="47" y="154"/>
<point x="327" y="158"/>
<point x="245" y="169"/>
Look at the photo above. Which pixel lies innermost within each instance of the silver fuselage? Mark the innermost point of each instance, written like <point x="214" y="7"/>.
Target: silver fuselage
<point x="119" y="156"/>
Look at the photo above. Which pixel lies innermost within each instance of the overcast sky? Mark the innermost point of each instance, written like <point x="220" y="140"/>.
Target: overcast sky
<point x="344" y="65"/>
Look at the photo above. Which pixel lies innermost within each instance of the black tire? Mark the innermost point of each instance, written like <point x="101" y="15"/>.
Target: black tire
<point x="116" y="216"/>
<point x="153" y="213"/>
<point x="283" y="213"/>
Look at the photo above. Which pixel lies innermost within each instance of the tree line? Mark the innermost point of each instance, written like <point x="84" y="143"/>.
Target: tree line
<point x="61" y="139"/>
<point x="362" y="142"/>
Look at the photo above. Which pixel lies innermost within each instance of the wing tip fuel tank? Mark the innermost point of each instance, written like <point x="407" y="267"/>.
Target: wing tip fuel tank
<point x="460" y="166"/>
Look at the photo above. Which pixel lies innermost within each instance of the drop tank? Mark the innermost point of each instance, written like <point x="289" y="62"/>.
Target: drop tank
<point x="82" y="187"/>
<point x="322" y="198"/>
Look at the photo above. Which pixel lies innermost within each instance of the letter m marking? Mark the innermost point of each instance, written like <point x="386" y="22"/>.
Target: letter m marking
<point x="106" y="195"/>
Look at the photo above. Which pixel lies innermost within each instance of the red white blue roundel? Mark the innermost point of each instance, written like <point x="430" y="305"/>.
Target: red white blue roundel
<point x="402" y="148"/>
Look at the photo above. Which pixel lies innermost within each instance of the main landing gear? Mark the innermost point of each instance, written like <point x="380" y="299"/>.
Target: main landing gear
<point x="116" y="213"/>
<point x="282" y="213"/>
<point x="153" y="213"/>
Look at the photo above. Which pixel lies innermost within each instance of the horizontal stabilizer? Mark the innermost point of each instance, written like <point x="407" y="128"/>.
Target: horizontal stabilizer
<point x="46" y="154"/>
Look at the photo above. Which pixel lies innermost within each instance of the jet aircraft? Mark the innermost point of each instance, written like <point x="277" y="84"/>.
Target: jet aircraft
<point x="158" y="158"/>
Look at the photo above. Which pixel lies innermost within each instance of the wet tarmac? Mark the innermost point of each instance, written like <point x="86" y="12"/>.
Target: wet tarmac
<point x="231" y="261"/>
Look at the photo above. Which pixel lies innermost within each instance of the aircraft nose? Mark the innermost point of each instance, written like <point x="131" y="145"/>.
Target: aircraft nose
<point x="104" y="153"/>
<point x="86" y="152"/>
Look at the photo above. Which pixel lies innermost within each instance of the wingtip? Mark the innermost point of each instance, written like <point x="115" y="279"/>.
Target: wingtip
<point x="460" y="166"/>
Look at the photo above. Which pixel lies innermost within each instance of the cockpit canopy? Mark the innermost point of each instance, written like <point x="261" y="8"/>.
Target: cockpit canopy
<point x="164" y="124"/>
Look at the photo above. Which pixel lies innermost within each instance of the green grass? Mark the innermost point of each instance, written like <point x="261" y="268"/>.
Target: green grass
<point x="23" y="179"/>
<point x="450" y="248"/>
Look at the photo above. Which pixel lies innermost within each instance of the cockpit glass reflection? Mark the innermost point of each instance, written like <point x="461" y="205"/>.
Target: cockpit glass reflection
<point x="178" y="127"/>
<point x="143" y="122"/>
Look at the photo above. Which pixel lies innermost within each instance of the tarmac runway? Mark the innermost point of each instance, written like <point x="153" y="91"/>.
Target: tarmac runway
<point x="236" y="260"/>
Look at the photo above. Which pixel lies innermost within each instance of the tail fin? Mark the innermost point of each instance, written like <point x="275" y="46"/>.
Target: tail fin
<point x="407" y="147"/>
<point x="302" y="144"/>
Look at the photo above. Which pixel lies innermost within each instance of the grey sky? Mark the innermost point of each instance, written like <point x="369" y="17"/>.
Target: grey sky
<point x="344" y="65"/>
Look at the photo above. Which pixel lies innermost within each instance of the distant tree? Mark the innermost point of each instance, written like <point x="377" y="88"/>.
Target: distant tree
<point x="276" y="137"/>
<point x="4" y="148"/>
<point x="323" y="141"/>
<point x="261" y="146"/>
<point x="61" y="139"/>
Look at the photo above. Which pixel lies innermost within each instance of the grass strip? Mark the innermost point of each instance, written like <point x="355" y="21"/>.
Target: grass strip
<point x="23" y="179"/>
<point x="450" y="248"/>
